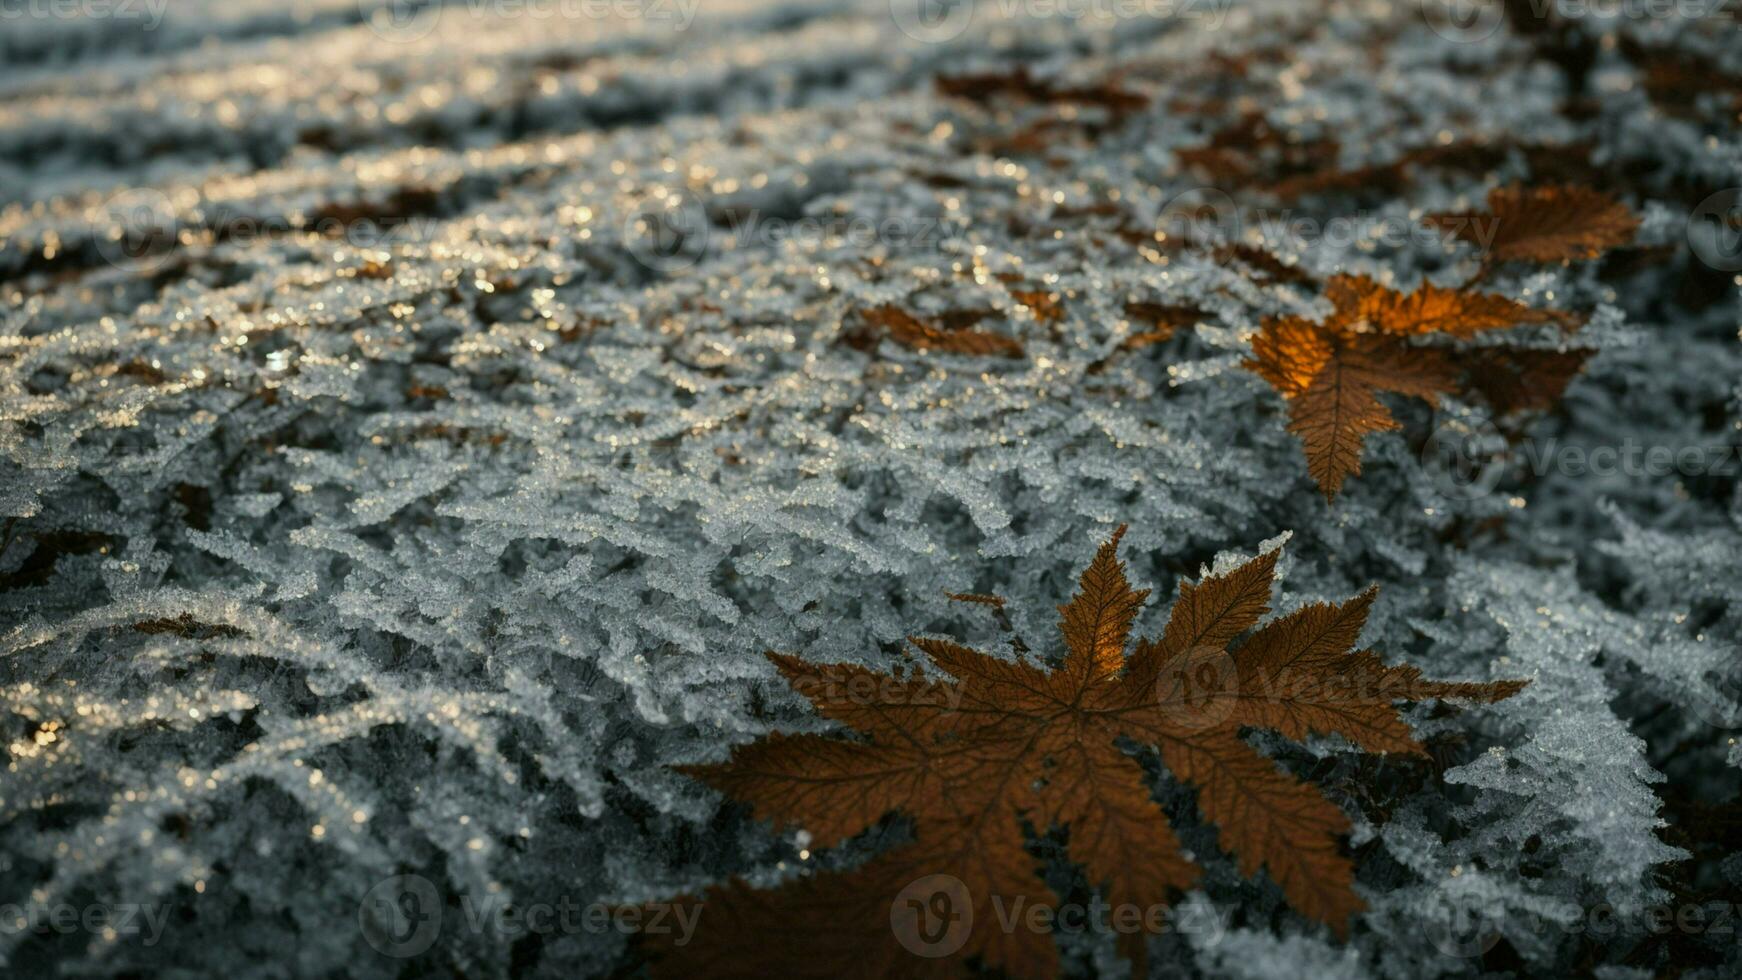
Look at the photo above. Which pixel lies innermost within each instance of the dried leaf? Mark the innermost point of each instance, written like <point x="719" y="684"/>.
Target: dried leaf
<point x="1543" y="224"/>
<point x="1332" y="372"/>
<point x="1021" y="86"/>
<point x="1252" y="153"/>
<point x="968" y="758"/>
<point x="1522" y="380"/>
<point x="1162" y="320"/>
<point x="1046" y="305"/>
<point x="1263" y="262"/>
<point x="1366" y="305"/>
<point x="910" y="331"/>
<point x="186" y="625"/>
<point x="146" y="373"/>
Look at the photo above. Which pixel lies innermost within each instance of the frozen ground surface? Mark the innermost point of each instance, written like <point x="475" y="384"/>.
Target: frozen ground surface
<point x="379" y="499"/>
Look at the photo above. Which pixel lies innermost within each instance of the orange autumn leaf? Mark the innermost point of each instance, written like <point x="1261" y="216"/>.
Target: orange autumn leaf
<point x="1021" y="86"/>
<point x="1429" y="309"/>
<point x="978" y="746"/>
<point x="910" y="331"/>
<point x="1543" y="224"/>
<point x="1046" y="305"/>
<point x="1333" y="372"/>
<point x="1161" y="321"/>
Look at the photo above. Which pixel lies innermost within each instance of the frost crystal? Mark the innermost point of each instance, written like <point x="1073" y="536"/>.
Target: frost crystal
<point x="382" y="494"/>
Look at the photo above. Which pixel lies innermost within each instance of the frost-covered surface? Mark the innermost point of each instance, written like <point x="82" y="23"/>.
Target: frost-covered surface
<point x="397" y="512"/>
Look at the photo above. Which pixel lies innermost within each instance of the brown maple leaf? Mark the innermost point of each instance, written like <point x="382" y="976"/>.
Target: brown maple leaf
<point x="1262" y="262"/>
<point x="1332" y="372"/>
<point x="1020" y="85"/>
<point x="955" y="336"/>
<point x="1161" y="321"/>
<point x="1543" y="224"/>
<point x="1521" y="379"/>
<point x="1253" y="152"/>
<point x="1046" y="305"/>
<point x="973" y="753"/>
